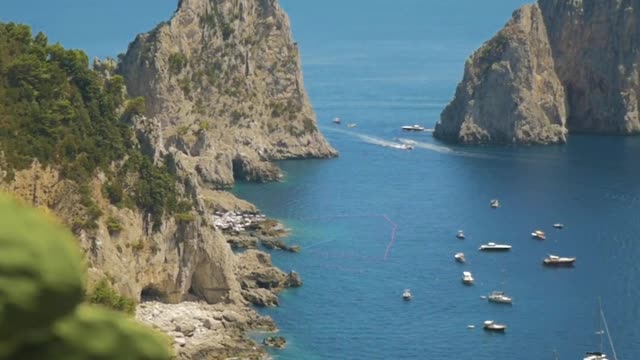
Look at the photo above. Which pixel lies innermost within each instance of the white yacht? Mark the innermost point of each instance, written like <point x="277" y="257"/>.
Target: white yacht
<point x="337" y="121"/>
<point x="406" y="295"/>
<point x="467" y="278"/>
<point x="595" y="355"/>
<point x="494" y="204"/>
<point x="491" y="325"/>
<point x="558" y="226"/>
<point x="460" y="234"/>
<point x="494" y="247"/>
<point x="499" y="297"/>
<point x="413" y="128"/>
<point x="460" y="257"/>
<point x="553" y="260"/>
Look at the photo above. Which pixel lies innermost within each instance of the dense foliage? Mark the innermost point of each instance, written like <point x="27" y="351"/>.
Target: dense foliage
<point x="55" y="109"/>
<point x="105" y="295"/>
<point x="41" y="307"/>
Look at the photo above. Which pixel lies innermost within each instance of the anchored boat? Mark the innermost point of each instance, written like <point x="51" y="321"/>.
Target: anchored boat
<point x="499" y="297"/>
<point x="491" y="325"/>
<point x="494" y="204"/>
<point x="460" y="234"/>
<point x="460" y="257"/>
<point x="467" y="278"/>
<point x="553" y="260"/>
<point x="406" y="295"/>
<point x="494" y="247"/>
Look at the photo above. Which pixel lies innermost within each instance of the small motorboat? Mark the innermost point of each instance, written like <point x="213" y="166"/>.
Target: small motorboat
<point x="494" y="247"/>
<point x="471" y="326"/>
<point x="595" y="355"/>
<point x="406" y="295"/>
<point x="491" y="325"/>
<point x="460" y="234"/>
<point x="499" y="297"/>
<point x="538" y="234"/>
<point x="351" y="126"/>
<point x="494" y="204"/>
<point x="460" y="257"/>
<point x="337" y="121"/>
<point x="467" y="278"/>
<point x="413" y="128"/>
<point x="558" y="226"/>
<point x="553" y="260"/>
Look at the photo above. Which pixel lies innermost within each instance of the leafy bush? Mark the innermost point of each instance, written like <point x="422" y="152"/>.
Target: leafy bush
<point x="113" y="225"/>
<point x="177" y="62"/>
<point x="105" y="295"/>
<point x="136" y="106"/>
<point x="41" y="307"/>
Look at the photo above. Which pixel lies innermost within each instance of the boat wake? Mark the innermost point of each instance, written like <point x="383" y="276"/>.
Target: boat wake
<point x="369" y="139"/>
<point x="406" y="144"/>
<point x="442" y="149"/>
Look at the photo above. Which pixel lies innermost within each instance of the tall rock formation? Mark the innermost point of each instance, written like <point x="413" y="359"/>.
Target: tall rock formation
<point x="223" y="77"/>
<point x="558" y="66"/>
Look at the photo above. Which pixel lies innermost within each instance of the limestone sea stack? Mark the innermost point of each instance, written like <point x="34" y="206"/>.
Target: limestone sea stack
<point x="223" y="77"/>
<point x="557" y="67"/>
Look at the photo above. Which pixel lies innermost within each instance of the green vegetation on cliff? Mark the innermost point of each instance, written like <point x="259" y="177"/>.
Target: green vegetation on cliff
<point x="55" y="109"/>
<point x="41" y="277"/>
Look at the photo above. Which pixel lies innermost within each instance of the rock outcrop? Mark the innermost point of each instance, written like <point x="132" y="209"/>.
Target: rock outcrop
<point x="557" y="67"/>
<point x="223" y="77"/>
<point x="201" y="331"/>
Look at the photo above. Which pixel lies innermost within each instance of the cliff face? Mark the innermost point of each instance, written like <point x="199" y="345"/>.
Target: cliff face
<point x="179" y="260"/>
<point x="557" y="66"/>
<point x="223" y="78"/>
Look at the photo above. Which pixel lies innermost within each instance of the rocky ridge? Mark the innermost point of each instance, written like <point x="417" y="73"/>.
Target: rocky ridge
<point x="556" y="67"/>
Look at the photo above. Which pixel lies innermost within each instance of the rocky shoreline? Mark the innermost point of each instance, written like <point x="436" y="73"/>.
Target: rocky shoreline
<point x="202" y="331"/>
<point x="199" y="330"/>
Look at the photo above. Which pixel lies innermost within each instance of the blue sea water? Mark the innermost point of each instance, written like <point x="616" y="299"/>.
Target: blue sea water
<point x="384" y="64"/>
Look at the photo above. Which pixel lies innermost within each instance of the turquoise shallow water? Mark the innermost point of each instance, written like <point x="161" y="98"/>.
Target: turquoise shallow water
<point x="350" y="305"/>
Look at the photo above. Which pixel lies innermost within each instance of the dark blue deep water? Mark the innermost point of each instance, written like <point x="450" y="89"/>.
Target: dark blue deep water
<point x="386" y="64"/>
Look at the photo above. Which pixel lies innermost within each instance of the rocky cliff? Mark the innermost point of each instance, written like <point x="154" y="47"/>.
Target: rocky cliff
<point x="557" y="67"/>
<point x="223" y="78"/>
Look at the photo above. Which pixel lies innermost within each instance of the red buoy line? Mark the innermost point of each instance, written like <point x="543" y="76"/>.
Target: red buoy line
<point x="392" y="239"/>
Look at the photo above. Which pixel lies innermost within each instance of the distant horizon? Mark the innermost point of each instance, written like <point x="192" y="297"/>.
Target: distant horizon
<point x="119" y="22"/>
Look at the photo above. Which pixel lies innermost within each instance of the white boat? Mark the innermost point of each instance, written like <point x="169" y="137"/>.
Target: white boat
<point x="406" y="295"/>
<point x="337" y="121"/>
<point x="494" y="247"/>
<point x="467" y="278"/>
<point x="499" y="297"/>
<point x="460" y="234"/>
<point x="494" y="204"/>
<point x="460" y="257"/>
<point x="553" y="260"/>
<point x="595" y="355"/>
<point x="538" y="234"/>
<point x="351" y="126"/>
<point x="491" y="325"/>
<point x="413" y="128"/>
<point x="558" y="226"/>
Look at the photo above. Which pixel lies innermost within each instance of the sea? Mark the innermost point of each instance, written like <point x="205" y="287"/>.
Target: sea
<point x="378" y="219"/>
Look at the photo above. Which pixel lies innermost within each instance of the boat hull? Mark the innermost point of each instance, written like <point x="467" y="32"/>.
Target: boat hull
<point x="566" y="263"/>
<point x="494" y="249"/>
